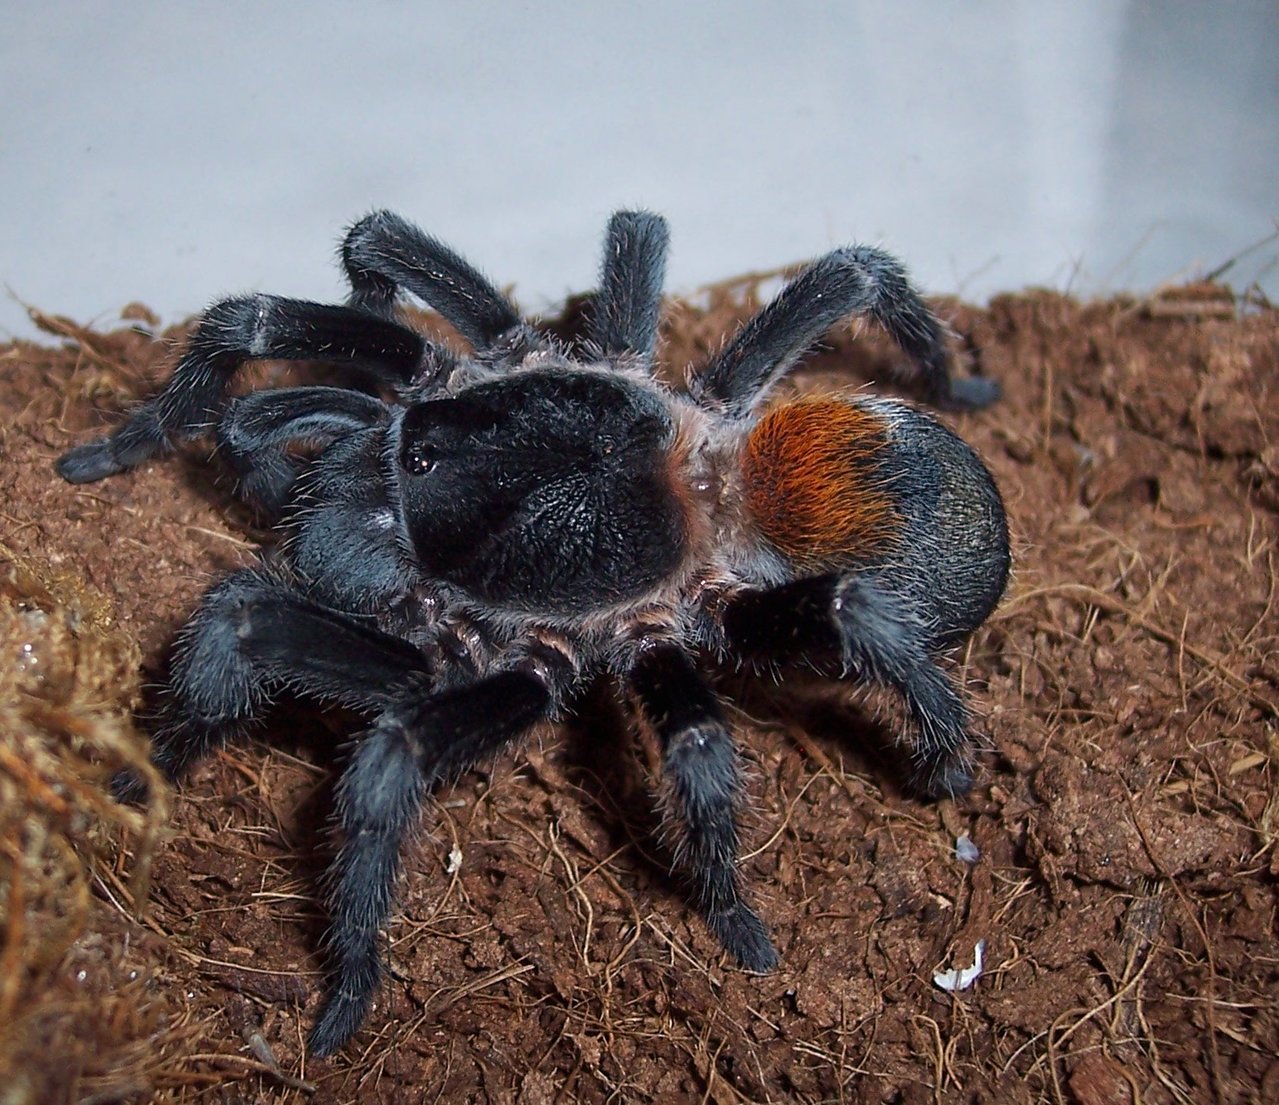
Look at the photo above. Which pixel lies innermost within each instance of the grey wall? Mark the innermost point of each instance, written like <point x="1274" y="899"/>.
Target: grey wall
<point x="174" y="152"/>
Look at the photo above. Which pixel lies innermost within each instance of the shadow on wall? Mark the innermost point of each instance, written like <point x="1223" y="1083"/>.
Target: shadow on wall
<point x="1201" y="173"/>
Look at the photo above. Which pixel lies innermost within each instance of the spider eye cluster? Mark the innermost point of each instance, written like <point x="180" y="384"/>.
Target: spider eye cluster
<point x="417" y="459"/>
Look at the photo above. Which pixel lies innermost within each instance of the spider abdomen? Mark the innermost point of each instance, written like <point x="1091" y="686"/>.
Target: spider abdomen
<point x="876" y="486"/>
<point x="816" y="483"/>
<point x="953" y="559"/>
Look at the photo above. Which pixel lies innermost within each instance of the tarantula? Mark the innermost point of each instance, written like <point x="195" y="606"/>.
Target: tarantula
<point x="475" y="537"/>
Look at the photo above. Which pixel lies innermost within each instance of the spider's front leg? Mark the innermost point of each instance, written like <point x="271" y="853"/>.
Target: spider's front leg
<point x="230" y="333"/>
<point x="253" y="635"/>
<point x="413" y="746"/>
<point x="702" y="780"/>
<point x="875" y="634"/>
<point x="257" y="431"/>
<point x="384" y="253"/>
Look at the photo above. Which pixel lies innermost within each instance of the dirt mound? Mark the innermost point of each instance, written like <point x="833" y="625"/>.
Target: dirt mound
<point x="1124" y="891"/>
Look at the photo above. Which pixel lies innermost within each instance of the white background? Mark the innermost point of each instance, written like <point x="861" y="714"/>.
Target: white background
<point x="176" y="152"/>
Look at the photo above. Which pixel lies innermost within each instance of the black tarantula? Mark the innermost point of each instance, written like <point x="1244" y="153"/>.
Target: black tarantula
<point x="473" y="538"/>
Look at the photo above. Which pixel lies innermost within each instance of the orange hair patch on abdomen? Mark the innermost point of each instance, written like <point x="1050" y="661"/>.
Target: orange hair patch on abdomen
<point x="814" y="483"/>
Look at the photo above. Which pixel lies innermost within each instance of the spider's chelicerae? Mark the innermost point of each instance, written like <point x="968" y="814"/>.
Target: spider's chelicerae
<point x="474" y="537"/>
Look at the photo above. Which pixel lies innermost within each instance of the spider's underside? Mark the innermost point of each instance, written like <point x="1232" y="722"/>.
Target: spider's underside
<point x="474" y="538"/>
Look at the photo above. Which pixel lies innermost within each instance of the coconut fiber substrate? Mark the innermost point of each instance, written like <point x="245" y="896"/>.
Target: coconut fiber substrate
<point x="1124" y="818"/>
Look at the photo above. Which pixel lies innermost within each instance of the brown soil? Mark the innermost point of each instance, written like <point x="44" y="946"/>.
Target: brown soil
<point x="1125" y="811"/>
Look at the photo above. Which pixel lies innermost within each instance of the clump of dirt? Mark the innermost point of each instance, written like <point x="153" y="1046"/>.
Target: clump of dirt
<point x="1124" y="818"/>
<point x="68" y="678"/>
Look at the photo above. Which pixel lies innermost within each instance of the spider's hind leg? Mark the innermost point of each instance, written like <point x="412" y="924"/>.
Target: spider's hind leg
<point x="875" y="634"/>
<point x="855" y="280"/>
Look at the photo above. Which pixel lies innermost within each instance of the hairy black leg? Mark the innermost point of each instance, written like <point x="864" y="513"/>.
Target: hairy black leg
<point x="877" y="636"/>
<point x="251" y="636"/>
<point x="256" y="327"/>
<point x="256" y="431"/>
<point x="383" y="253"/>
<point x="345" y="538"/>
<point x="412" y="747"/>
<point x="699" y="762"/>
<point x="858" y="279"/>
<point x="629" y="302"/>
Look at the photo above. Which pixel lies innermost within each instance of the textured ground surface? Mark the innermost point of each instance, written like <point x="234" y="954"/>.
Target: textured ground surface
<point x="1125" y="812"/>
